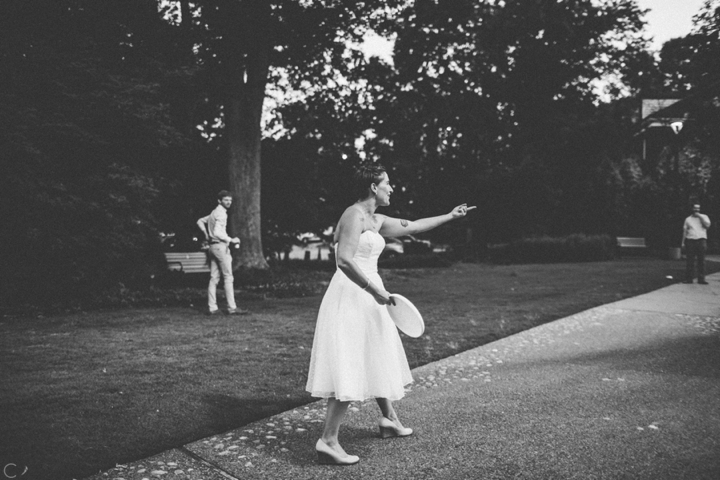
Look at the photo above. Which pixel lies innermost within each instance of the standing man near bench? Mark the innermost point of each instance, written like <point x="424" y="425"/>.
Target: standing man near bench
<point x="695" y="242"/>
<point x="214" y="226"/>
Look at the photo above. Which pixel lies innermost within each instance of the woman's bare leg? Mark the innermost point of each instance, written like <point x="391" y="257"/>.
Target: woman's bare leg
<point x="393" y="427"/>
<point x="333" y="419"/>
<point x="388" y="411"/>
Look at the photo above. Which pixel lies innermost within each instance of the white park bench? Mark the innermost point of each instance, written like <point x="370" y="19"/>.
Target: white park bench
<point x="187" y="262"/>
<point x="631" y="243"/>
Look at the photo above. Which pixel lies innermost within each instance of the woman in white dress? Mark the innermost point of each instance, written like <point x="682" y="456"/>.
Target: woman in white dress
<point x="357" y="352"/>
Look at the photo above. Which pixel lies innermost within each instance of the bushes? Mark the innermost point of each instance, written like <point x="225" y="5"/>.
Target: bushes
<point x="78" y="239"/>
<point x="429" y="260"/>
<point x="545" y="249"/>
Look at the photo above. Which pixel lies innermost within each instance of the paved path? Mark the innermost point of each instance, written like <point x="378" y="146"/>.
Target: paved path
<point x="627" y="390"/>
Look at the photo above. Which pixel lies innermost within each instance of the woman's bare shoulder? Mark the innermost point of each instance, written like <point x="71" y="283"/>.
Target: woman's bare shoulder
<point x="352" y="213"/>
<point x="352" y="220"/>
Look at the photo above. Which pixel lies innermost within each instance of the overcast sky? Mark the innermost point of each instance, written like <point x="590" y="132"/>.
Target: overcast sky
<point x="669" y="18"/>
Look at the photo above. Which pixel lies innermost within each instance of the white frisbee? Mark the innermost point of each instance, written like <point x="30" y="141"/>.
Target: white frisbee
<point x="406" y="317"/>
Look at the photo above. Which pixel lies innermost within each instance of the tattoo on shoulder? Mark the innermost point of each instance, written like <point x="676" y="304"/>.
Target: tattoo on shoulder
<point x="404" y="223"/>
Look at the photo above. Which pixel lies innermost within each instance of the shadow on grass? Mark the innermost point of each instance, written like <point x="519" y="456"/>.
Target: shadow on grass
<point x="223" y="411"/>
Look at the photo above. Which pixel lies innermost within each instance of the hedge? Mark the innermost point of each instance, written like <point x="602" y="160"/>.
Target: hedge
<point x="545" y="249"/>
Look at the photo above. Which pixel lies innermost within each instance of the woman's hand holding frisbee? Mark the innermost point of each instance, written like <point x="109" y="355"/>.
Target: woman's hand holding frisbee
<point x="382" y="297"/>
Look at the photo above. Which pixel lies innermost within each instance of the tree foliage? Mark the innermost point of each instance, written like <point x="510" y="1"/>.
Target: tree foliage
<point x="487" y="102"/>
<point x="123" y="118"/>
<point x="688" y="170"/>
<point x="81" y="81"/>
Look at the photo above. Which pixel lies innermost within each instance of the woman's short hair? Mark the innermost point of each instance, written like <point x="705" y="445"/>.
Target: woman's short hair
<point x="365" y="175"/>
<point x="224" y="193"/>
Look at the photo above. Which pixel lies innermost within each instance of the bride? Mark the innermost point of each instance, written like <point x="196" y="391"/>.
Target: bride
<point x="357" y="353"/>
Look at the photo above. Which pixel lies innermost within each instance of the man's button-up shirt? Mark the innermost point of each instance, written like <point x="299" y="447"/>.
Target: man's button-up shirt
<point x="217" y="225"/>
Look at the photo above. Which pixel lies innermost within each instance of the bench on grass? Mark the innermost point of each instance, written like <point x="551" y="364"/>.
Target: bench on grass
<point x="635" y="244"/>
<point x="187" y="262"/>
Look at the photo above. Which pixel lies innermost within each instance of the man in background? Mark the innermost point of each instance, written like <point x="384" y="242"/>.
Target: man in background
<point x="695" y="242"/>
<point x="214" y="226"/>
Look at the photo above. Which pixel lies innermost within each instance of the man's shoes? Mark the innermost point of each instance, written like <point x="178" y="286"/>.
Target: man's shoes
<point x="688" y="281"/>
<point x="238" y="311"/>
<point x="213" y="312"/>
<point x="702" y="282"/>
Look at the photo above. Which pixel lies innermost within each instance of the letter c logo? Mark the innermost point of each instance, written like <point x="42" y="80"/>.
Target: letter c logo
<point x="10" y="468"/>
<point x="5" y="470"/>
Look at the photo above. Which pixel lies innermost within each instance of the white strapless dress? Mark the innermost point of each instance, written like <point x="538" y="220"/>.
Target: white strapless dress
<point x="357" y="352"/>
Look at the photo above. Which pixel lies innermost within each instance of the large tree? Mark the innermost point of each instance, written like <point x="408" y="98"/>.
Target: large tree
<point x="239" y="45"/>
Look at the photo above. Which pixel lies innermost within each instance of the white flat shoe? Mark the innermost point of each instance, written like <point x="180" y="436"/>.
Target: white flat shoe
<point x="388" y="429"/>
<point x="328" y="456"/>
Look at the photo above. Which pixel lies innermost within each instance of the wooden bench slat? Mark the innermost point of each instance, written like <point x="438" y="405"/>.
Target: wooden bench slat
<point x="187" y="262"/>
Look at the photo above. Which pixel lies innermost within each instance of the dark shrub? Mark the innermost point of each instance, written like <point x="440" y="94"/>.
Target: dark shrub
<point x="311" y="265"/>
<point x="430" y="260"/>
<point x="292" y="278"/>
<point x="545" y="249"/>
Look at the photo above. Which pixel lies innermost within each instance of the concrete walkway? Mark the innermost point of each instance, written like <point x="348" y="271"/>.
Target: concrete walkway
<point x="627" y="390"/>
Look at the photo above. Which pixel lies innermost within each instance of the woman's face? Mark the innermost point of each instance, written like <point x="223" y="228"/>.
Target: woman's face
<point x="383" y="191"/>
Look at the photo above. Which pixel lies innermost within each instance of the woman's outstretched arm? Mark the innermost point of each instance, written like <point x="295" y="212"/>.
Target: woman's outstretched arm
<point x="395" y="227"/>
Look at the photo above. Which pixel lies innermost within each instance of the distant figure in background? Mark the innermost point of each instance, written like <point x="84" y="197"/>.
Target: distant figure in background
<point x="695" y="242"/>
<point x="214" y="226"/>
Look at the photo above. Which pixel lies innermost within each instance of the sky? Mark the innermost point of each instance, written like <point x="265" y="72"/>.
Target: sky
<point x="669" y="18"/>
<point x="666" y="19"/>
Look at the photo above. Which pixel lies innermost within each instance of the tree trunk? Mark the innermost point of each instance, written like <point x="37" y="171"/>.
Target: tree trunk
<point x="243" y="112"/>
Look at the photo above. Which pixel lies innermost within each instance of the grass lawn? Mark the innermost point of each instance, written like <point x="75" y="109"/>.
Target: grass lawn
<point x="82" y="392"/>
